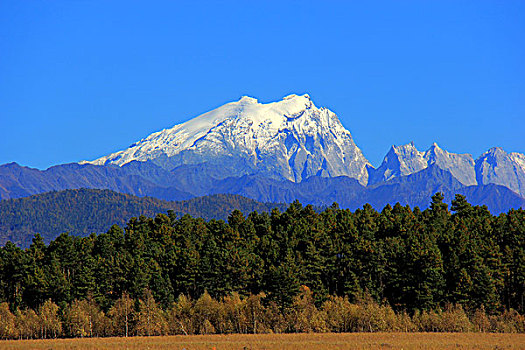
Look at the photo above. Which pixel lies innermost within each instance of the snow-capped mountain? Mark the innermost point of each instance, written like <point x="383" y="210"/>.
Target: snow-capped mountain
<point x="461" y="166"/>
<point x="279" y="152"/>
<point x="501" y="168"/>
<point x="493" y="167"/>
<point x="289" y="139"/>
<point x="407" y="159"/>
<point x="399" y="161"/>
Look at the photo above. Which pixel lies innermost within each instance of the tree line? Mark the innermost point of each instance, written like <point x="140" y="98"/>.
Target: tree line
<point x="241" y="315"/>
<point x="422" y="264"/>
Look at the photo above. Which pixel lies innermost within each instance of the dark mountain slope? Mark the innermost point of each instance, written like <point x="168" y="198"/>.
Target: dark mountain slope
<point x="147" y="179"/>
<point x="316" y="190"/>
<point x="497" y="198"/>
<point x="138" y="179"/>
<point x="85" y="211"/>
<point x="416" y="190"/>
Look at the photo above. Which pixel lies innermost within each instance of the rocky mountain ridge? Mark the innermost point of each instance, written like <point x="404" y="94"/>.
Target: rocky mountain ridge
<point x="493" y="167"/>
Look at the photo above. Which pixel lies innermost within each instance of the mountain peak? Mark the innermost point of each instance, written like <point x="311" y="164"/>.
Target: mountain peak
<point x="295" y="104"/>
<point x="294" y="96"/>
<point x="434" y="151"/>
<point x="501" y="168"/>
<point x="403" y="149"/>
<point x="406" y="159"/>
<point x="287" y="139"/>
<point x="248" y="99"/>
<point x="400" y="161"/>
<point x="495" y="151"/>
<point x="493" y="167"/>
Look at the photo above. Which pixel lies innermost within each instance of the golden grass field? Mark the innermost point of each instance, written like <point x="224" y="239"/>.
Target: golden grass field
<point x="310" y="341"/>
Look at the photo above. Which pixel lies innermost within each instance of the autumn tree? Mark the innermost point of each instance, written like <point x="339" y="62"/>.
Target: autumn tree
<point x="341" y="315"/>
<point x="28" y="324"/>
<point x="180" y="316"/>
<point x="256" y="314"/>
<point x="49" y="320"/>
<point x="7" y="322"/>
<point x="121" y="315"/>
<point x="206" y="314"/>
<point x="83" y="318"/>
<point x="304" y="316"/>
<point x="150" y="318"/>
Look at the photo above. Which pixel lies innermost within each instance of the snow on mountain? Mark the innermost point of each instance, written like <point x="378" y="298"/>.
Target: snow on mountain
<point x="293" y="139"/>
<point x="493" y="167"/>
<point x="461" y="166"/>
<point x="406" y="159"/>
<point x="399" y="161"/>
<point x="501" y="168"/>
<point x="290" y="139"/>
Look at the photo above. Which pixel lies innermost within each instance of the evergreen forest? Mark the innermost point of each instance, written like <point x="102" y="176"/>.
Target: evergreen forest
<point x="298" y="270"/>
<point x="83" y="211"/>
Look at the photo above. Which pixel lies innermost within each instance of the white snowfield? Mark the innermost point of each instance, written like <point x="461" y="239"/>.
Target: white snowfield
<point x="291" y="138"/>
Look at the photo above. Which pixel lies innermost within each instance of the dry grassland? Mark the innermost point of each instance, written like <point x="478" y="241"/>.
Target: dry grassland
<point x="287" y="342"/>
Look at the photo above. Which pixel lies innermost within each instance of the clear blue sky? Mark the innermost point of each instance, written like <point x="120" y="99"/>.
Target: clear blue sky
<point x="81" y="79"/>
